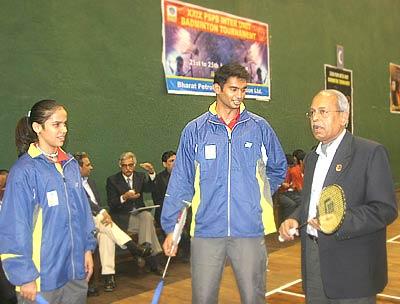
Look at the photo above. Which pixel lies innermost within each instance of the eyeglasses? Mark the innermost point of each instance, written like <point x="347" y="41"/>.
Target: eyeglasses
<point x="322" y="112"/>
<point x="130" y="166"/>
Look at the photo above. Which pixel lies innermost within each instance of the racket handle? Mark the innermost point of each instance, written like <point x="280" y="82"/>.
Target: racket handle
<point x="292" y="231"/>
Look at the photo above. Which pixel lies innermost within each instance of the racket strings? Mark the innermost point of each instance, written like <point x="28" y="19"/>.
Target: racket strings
<point x="331" y="208"/>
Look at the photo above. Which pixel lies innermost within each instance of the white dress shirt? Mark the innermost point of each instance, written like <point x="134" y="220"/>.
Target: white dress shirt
<point x="320" y="172"/>
<point x="89" y="191"/>
<point x="130" y="183"/>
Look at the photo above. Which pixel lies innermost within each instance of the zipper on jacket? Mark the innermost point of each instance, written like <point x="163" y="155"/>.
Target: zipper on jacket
<point x="69" y="219"/>
<point x="230" y="132"/>
<point x="229" y="178"/>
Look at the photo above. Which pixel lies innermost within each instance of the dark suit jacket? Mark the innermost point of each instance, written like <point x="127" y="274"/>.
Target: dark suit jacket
<point x="95" y="208"/>
<point x="160" y="187"/>
<point x="353" y="259"/>
<point x="116" y="186"/>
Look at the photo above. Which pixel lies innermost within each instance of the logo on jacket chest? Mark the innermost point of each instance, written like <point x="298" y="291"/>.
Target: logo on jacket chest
<point x="248" y="144"/>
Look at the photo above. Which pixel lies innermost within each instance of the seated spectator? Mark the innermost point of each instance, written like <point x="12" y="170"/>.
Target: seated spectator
<point x="125" y="193"/>
<point x="108" y="233"/>
<point x="7" y="290"/>
<point x="290" y="191"/>
<point x="161" y="182"/>
<point x="298" y="156"/>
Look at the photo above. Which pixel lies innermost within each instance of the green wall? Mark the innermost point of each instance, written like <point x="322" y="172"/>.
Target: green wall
<point x="102" y="59"/>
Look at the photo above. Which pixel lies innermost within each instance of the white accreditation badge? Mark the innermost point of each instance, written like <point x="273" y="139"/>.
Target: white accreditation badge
<point x="210" y="152"/>
<point x="52" y="198"/>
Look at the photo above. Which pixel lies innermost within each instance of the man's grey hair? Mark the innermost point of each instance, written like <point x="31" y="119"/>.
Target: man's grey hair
<point x="126" y="155"/>
<point x="342" y="101"/>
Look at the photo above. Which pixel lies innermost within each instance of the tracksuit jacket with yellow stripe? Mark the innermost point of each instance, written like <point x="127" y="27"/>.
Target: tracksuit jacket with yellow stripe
<point x="45" y="223"/>
<point x="227" y="175"/>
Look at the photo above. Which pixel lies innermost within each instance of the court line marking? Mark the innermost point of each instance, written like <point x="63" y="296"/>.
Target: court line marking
<point x="392" y="240"/>
<point x="281" y="290"/>
<point x="303" y="296"/>
<point x="388" y="296"/>
<point x="282" y="287"/>
<point x="300" y="295"/>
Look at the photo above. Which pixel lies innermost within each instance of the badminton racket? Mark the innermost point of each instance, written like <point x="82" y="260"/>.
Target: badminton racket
<point x="331" y="210"/>
<point x="176" y="237"/>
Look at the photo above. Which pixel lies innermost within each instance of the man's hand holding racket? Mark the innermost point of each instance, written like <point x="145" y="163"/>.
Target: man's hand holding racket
<point x="169" y="248"/>
<point x="331" y="210"/>
<point x="170" y="245"/>
<point x="288" y="230"/>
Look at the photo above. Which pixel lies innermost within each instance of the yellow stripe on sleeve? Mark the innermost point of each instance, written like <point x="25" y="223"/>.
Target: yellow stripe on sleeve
<point x="195" y="199"/>
<point x="6" y="256"/>
<point x="37" y="244"/>
<point x="266" y="199"/>
<point x="36" y="248"/>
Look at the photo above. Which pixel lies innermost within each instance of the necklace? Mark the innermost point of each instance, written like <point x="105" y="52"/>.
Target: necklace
<point x="49" y="155"/>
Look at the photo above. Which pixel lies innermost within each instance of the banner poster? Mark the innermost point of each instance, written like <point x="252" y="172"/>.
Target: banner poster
<point x="341" y="80"/>
<point x="394" y="70"/>
<point x="197" y="41"/>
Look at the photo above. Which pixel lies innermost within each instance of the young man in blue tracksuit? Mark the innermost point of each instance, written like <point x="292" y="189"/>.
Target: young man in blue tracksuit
<point x="229" y="163"/>
<point x="46" y="227"/>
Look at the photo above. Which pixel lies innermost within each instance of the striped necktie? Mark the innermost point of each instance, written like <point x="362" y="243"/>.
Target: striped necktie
<point x="129" y="181"/>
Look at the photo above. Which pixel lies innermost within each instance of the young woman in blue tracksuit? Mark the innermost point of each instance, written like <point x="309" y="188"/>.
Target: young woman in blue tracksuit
<point x="46" y="227"/>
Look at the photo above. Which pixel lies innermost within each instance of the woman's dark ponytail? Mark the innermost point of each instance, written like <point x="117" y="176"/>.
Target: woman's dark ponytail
<point x="40" y="112"/>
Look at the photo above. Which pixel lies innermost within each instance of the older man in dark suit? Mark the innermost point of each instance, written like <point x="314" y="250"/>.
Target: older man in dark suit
<point x="350" y="265"/>
<point x="124" y="193"/>
<point x="108" y="233"/>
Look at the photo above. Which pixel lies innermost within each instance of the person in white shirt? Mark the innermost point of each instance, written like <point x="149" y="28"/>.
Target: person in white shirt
<point x="108" y="233"/>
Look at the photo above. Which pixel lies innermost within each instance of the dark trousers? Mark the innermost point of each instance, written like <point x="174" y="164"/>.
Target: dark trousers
<point x="7" y="290"/>
<point x="315" y="293"/>
<point x="288" y="202"/>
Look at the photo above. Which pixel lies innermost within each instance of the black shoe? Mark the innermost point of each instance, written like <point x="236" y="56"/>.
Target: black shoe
<point x="146" y="250"/>
<point x="153" y="264"/>
<point x="92" y="291"/>
<point x="109" y="283"/>
<point x="143" y="250"/>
